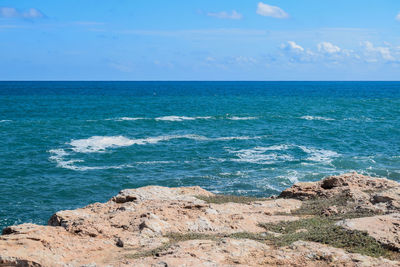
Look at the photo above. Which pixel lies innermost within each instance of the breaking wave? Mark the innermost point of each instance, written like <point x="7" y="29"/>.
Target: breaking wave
<point x="276" y="153"/>
<point x="100" y="144"/>
<point x="310" y="118"/>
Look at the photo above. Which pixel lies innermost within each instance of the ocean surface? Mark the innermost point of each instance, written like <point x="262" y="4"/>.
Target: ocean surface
<point x="64" y="145"/>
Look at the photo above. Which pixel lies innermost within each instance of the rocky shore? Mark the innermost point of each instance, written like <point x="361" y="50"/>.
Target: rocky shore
<point x="346" y="220"/>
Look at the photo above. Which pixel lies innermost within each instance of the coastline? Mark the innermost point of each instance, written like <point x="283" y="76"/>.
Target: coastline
<point x="350" y="220"/>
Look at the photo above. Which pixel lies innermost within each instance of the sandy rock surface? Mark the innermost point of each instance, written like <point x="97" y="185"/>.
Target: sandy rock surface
<point x="134" y="229"/>
<point x="385" y="228"/>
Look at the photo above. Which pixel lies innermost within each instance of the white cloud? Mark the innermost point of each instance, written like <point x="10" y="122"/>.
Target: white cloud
<point x="328" y="48"/>
<point x="11" y="12"/>
<point x="291" y="46"/>
<point x="271" y="11"/>
<point x="398" y="17"/>
<point x="374" y="52"/>
<point x="225" y="15"/>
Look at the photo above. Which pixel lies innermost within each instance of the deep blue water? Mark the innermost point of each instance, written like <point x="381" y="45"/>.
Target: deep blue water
<point x="66" y="144"/>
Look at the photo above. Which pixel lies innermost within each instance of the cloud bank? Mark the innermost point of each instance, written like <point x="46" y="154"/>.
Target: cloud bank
<point x="271" y="11"/>
<point x="225" y="15"/>
<point x="328" y="48"/>
<point x="11" y="12"/>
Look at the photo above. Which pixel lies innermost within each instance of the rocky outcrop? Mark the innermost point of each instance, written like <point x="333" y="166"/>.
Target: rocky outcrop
<point x="159" y="226"/>
<point x="385" y="228"/>
<point x="378" y="195"/>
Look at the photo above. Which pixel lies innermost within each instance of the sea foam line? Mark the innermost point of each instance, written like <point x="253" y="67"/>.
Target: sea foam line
<point x="181" y="118"/>
<point x="99" y="144"/>
<point x="310" y="118"/>
<point x="259" y="155"/>
<point x="175" y="118"/>
<point x="235" y="118"/>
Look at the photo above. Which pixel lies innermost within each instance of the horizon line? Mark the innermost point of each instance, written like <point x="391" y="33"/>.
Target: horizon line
<point x="199" y="80"/>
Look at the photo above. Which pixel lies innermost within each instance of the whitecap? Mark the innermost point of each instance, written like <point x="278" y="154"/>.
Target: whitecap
<point x="319" y="155"/>
<point x="99" y="143"/>
<point x="278" y="147"/>
<point x="316" y="118"/>
<point x="256" y="155"/>
<point x="5" y="120"/>
<point x="235" y="118"/>
<point x="180" y="118"/>
<point x="129" y="119"/>
<point x="292" y="176"/>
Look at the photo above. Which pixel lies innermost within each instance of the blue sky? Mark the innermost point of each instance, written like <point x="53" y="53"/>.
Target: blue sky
<point x="199" y="40"/>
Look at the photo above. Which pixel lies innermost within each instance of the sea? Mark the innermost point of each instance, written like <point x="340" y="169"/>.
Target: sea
<point x="64" y="145"/>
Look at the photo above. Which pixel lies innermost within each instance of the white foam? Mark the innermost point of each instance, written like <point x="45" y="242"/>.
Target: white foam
<point x="316" y="118"/>
<point x="5" y="120"/>
<point x="256" y="155"/>
<point x="319" y="155"/>
<point x="99" y="143"/>
<point x="58" y="155"/>
<point x="180" y="118"/>
<point x="293" y="176"/>
<point x="235" y="118"/>
<point x="278" y="147"/>
<point x="129" y="119"/>
<point x="237" y="173"/>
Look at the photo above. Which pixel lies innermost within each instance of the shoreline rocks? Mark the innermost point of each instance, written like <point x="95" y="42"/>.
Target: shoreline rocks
<point x="159" y="226"/>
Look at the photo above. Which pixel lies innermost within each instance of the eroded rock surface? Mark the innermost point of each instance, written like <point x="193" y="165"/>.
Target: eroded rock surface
<point x="366" y="192"/>
<point x="385" y="228"/>
<point x="134" y="229"/>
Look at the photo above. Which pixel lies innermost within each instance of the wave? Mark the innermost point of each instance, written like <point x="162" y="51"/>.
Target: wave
<point x="58" y="156"/>
<point x="256" y="155"/>
<point x="316" y="118"/>
<point x="129" y="119"/>
<point x="259" y="155"/>
<point x="292" y="176"/>
<point x="235" y="118"/>
<point x="319" y="155"/>
<point x="100" y="144"/>
<point x="5" y="120"/>
<point x="181" y="118"/>
<point x="175" y="118"/>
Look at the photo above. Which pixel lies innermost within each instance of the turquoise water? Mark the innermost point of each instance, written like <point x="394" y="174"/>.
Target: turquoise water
<point x="66" y="144"/>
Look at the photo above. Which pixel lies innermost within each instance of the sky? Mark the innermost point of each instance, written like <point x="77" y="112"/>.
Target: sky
<point x="200" y="40"/>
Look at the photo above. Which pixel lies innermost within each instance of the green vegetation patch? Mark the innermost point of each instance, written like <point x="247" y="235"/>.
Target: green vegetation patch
<point x="347" y="209"/>
<point x="221" y="199"/>
<point x="323" y="230"/>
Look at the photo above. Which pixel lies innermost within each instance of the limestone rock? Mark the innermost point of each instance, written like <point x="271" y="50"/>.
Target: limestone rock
<point x="385" y="229"/>
<point x="375" y="194"/>
<point x="133" y="229"/>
